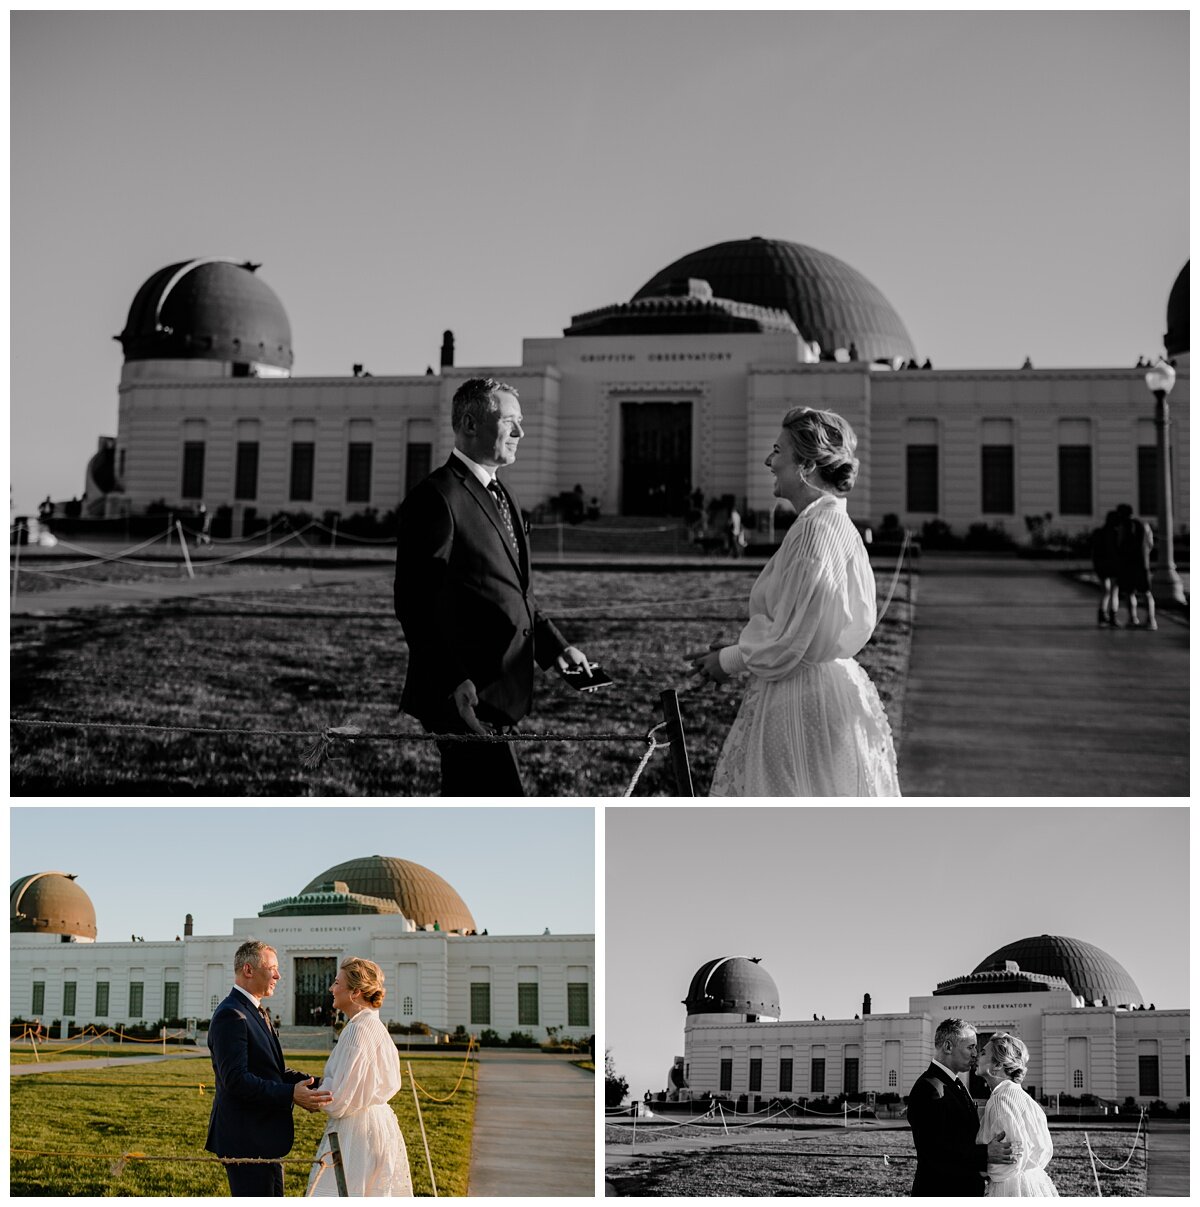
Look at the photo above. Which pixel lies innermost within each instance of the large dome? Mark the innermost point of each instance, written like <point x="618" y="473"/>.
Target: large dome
<point x="732" y="985"/>
<point x="1179" y="314"/>
<point x="829" y="301"/>
<point x="209" y="309"/>
<point x="51" y="903"/>
<point x="1092" y="974"/>
<point x="423" y="896"/>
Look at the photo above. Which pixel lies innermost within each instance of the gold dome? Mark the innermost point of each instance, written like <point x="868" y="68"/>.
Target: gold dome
<point x="51" y="903"/>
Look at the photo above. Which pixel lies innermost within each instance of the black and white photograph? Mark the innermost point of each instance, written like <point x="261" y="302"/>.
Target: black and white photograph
<point x="953" y="1001"/>
<point x="483" y="404"/>
<point x="246" y="1001"/>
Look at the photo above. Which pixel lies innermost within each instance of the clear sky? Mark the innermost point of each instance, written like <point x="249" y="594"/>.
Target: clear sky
<point x="887" y="901"/>
<point x="519" y="870"/>
<point x="1015" y="183"/>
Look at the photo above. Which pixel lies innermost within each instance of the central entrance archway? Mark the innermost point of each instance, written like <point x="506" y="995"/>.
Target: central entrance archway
<point x="656" y="458"/>
<point x="313" y="1002"/>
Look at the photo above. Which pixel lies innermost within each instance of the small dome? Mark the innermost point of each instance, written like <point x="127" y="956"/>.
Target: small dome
<point x="423" y="896"/>
<point x="1091" y="973"/>
<point x="210" y="309"/>
<point x="51" y="903"/>
<point x="1179" y="314"/>
<point x="829" y="301"/>
<point x="732" y="985"/>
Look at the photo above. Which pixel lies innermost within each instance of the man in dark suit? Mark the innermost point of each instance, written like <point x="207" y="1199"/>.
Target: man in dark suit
<point x="255" y="1092"/>
<point x="464" y="600"/>
<point x="945" y="1122"/>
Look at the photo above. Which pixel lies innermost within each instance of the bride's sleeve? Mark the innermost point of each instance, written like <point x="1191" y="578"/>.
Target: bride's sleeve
<point x="366" y="1072"/>
<point x="1000" y="1115"/>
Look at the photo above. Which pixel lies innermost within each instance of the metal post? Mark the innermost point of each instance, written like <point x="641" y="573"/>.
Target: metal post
<point x="1166" y="577"/>
<point x="679" y="755"/>
<point x="339" y="1173"/>
<point x="183" y="545"/>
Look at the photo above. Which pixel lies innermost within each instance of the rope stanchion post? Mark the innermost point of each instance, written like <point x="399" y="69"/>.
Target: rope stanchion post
<point x="338" y="1171"/>
<point x="679" y="756"/>
<point x="421" y="1122"/>
<point x="187" y="560"/>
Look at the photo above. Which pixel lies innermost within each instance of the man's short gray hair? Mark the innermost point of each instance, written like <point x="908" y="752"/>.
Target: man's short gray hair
<point x="251" y="952"/>
<point x="950" y="1029"/>
<point x="477" y="397"/>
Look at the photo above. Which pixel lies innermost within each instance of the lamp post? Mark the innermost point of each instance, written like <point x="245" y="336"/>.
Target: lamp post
<point x="1166" y="582"/>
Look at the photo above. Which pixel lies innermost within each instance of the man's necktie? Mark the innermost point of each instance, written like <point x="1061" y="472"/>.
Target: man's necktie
<point x="266" y="1018"/>
<point x="505" y="514"/>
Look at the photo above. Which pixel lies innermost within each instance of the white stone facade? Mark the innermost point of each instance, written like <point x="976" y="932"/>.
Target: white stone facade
<point x="428" y="974"/>
<point x="574" y="391"/>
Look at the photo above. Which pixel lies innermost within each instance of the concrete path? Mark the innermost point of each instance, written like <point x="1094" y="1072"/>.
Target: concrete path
<point x="1014" y="691"/>
<point x="1167" y="1147"/>
<point x="101" y="1062"/>
<point x="535" y="1130"/>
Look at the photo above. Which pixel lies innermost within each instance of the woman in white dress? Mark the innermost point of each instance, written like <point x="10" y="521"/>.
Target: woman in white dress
<point x="1010" y="1110"/>
<point x="810" y="723"/>
<point x="362" y="1073"/>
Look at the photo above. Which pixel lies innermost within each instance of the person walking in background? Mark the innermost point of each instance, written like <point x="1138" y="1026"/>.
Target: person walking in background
<point x="1135" y="540"/>
<point x="464" y="598"/>
<point x="810" y="723"/>
<point x="255" y="1091"/>
<point x="1104" y="563"/>
<point x="1012" y="1113"/>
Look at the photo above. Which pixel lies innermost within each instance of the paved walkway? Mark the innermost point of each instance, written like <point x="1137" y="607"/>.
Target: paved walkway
<point x="1014" y="691"/>
<point x="100" y="1062"/>
<point x="535" y="1131"/>
<point x="1167" y="1147"/>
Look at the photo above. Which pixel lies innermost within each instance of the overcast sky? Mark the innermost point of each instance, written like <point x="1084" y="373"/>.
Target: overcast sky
<point x="1015" y="183"/>
<point x="519" y="870"/>
<point x="888" y="901"/>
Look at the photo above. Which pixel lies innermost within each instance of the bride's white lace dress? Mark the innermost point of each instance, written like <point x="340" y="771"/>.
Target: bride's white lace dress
<point x="810" y="723"/>
<point x="1010" y="1110"/>
<point x="362" y="1074"/>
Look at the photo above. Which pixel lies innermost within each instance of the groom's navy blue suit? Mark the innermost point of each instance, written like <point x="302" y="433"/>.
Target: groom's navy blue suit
<point x="944" y="1125"/>
<point x="252" y="1106"/>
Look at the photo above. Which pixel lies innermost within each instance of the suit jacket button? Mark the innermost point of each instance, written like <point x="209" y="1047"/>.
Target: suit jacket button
<point x="525" y="632"/>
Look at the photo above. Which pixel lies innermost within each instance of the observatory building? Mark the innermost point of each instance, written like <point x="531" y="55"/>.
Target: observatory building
<point x="642" y="402"/>
<point x="439" y="968"/>
<point x="1079" y="1012"/>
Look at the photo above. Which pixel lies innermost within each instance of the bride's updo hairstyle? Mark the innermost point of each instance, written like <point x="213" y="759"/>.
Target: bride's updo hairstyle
<point x="367" y="976"/>
<point x="826" y="442"/>
<point x="1010" y="1056"/>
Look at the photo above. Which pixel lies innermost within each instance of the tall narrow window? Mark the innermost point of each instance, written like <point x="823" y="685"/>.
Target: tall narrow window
<point x="170" y="999"/>
<point x="1074" y="467"/>
<point x="1148" y="1068"/>
<point x="785" y="1074"/>
<point x="192" y="486"/>
<point x="756" y="1073"/>
<point x="921" y="465"/>
<point x="68" y="997"/>
<point x="101" y="999"/>
<point x="304" y="456"/>
<point x="996" y="468"/>
<point x="245" y="475"/>
<point x="726" y="1083"/>
<point x="358" y="462"/>
<point x="408" y="1007"/>
<point x="418" y="452"/>
<point x="38" y="1004"/>
<point x="577" y="1004"/>
<point x="481" y="1004"/>
<point x="850" y="1059"/>
<point x="1147" y="468"/>
<point x="137" y="990"/>
<point x="527" y="1004"/>
<point x="817" y="1080"/>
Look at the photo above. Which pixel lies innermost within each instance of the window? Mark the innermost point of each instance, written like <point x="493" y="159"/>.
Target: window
<point x="358" y="473"/>
<point x="1074" y="467"/>
<point x="891" y="1077"/>
<point x="481" y="1004"/>
<point x="38" y="1005"/>
<point x="1077" y="1080"/>
<point x="137" y="995"/>
<point x="68" y="997"/>
<point x="300" y="487"/>
<point x="785" y="1075"/>
<point x="193" y="469"/>
<point x="121" y="464"/>
<point x="850" y="1075"/>
<point x="756" y="1073"/>
<point x="818" y="1075"/>
<point x="418" y="461"/>
<point x="408" y="1007"/>
<point x="171" y="999"/>
<point x="245" y="482"/>
<point x="726" y="1082"/>
<point x="527" y="1004"/>
<point x="997" y="479"/>
<point x="212" y="1001"/>
<point x="577" y="1005"/>
<point x="1148" y="1074"/>
<point x="101" y="999"/>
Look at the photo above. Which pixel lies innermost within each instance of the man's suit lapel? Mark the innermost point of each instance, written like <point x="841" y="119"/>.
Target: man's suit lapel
<point x="488" y="505"/>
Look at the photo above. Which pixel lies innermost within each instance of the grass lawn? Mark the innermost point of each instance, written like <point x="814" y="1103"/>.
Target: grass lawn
<point x="840" y="1163"/>
<point x="91" y="1117"/>
<point x="334" y="655"/>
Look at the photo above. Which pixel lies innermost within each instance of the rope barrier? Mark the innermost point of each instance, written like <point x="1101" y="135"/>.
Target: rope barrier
<point x="895" y="578"/>
<point x="471" y="1045"/>
<point x="1115" y="1168"/>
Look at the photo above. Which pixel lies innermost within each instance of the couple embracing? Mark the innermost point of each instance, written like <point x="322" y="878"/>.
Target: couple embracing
<point x="1007" y="1142"/>
<point x="255" y="1091"/>
<point x="810" y="723"/>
